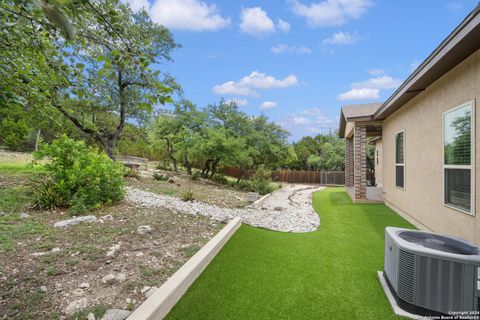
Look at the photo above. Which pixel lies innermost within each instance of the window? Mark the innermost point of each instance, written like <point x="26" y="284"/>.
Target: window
<point x="459" y="157"/>
<point x="377" y="157"/>
<point x="400" y="159"/>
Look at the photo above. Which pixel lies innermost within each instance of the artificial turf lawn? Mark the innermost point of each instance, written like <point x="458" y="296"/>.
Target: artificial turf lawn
<point x="327" y="274"/>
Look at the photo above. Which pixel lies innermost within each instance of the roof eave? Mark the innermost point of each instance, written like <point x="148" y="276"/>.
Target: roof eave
<point x="460" y="44"/>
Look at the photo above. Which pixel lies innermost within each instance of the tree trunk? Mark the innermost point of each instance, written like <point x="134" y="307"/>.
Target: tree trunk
<point x="214" y="168"/>
<point x="37" y="140"/>
<point x="206" y="169"/>
<point x="187" y="165"/>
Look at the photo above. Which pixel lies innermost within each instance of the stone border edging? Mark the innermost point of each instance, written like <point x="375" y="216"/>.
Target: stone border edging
<point x="259" y="202"/>
<point x="162" y="301"/>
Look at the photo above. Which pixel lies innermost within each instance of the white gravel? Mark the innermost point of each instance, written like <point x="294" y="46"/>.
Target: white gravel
<point x="288" y="209"/>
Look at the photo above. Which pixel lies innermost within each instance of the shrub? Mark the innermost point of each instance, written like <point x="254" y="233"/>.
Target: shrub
<point x="219" y="178"/>
<point x="244" y="185"/>
<point x="82" y="178"/>
<point x="196" y="175"/>
<point x="160" y="177"/>
<point x="187" y="196"/>
<point x="263" y="173"/>
<point x="261" y="186"/>
<point x="14" y="134"/>
<point x="45" y="195"/>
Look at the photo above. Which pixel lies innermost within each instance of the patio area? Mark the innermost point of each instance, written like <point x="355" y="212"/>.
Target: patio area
<point x="358" y="129"/>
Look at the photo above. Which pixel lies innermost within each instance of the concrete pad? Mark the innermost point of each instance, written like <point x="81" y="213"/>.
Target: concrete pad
<point x="393" y="302"/>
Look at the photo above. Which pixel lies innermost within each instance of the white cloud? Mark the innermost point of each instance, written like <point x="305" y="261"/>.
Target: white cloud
<point x="137" y="5"/>
<point x="455" y="6"/>
<point x="267" y="105"/>
<point x="255" y="21"/>
<point x="330" y="12"/>
<point x="376" y="72"/>
<point x="192" y="15"/>
<point x="308" y="122"/>
<point x="283" y="25"/>
<point x="359" y="94"/>
<point x="238" y="102"/>
<point x="301" y="121"/>
<point x="381" y="82"/>
<point x="342" y="38"/>
<point x="234" y="88"/>
<point x="283" y="48"/>
<point x="370" y="89"/>
<point x="256" y="80"/>
<point x="262" y="81"/>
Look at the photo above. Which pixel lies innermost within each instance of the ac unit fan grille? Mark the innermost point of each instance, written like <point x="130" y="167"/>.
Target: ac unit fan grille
<point x="406" y="275"/>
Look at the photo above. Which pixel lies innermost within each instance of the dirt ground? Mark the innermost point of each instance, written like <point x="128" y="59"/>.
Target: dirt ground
<point x="203" y="190"/>
<point x="43" y="269"/>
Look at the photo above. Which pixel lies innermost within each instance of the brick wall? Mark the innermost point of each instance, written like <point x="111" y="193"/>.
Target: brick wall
<point x="349" y="162"/>
<point x="360" y="162"/>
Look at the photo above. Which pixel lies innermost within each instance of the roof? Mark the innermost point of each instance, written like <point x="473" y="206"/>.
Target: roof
<point x="357" y="112"/>
<point x="459" y="45"/>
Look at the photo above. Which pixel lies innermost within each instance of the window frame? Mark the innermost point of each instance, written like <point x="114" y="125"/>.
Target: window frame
<point x="471" y="167"/>
<point x="404" y="158"/>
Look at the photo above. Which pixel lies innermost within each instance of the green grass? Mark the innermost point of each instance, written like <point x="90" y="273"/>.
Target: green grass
<point x="21" y="168"/>
<point x="327" y="274"/>
<point x="13" y="199"/>
<point x="13" y="229"/>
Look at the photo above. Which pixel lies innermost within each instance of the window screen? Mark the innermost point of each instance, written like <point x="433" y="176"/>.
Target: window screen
<point x="457" y="136"/>
<point x="400" y="159"/>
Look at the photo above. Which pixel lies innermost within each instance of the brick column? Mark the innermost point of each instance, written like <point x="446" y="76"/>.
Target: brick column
<point x="360" y="162"/>
<point x="349" y="162"/>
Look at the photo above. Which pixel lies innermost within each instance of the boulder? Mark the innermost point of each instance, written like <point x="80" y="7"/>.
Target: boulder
<point x="84" y="285"/>
<point x="108" y="279"/>
<point x="116" y="314"/>
<point x="76" y="306"/>
<point x="74" y="221"/>
<point x="144" y="229"/>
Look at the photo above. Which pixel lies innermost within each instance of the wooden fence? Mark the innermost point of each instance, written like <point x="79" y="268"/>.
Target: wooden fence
<point x="290" y="176"/>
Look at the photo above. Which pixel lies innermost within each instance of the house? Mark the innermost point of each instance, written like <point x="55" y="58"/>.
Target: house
<point x="426" y="138"/>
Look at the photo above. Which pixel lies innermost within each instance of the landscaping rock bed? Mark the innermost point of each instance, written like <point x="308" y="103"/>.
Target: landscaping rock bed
<point x="297" y="214"/>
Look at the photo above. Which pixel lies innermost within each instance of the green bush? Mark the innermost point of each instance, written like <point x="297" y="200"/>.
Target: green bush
<point x="261" y="186"/>
<point x="45" y="194"/>
<point x="196" y="175"/>
<point x="160" y="177"/>
<point x="187" y="196"/>
<point x="220" y="178"/>
<point x="263" y="173"/>
<point x="83" y="178"/>
<point x="14" y="134"/>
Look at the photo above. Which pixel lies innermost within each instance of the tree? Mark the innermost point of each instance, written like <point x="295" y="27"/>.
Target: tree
<point x="322" y="152"/>
<point x="104" y="69"/>
<point x="175" y="128"/>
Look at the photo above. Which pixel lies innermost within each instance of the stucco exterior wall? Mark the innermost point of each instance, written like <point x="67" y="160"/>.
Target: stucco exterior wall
<point x="421" y="118"/>
<point x="379" y="163"/>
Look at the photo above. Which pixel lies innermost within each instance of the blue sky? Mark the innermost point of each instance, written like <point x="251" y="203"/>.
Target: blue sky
<point x="299" y="61"/>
